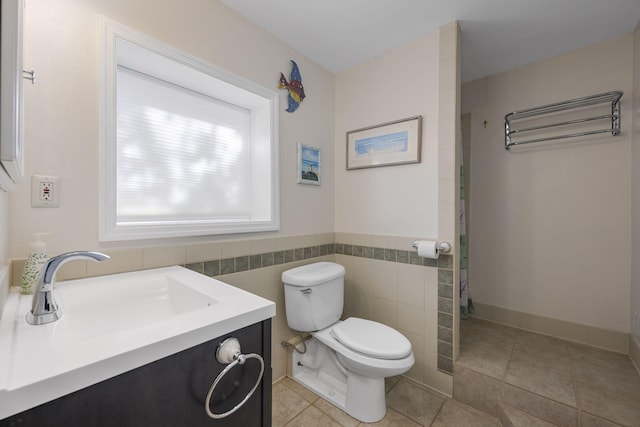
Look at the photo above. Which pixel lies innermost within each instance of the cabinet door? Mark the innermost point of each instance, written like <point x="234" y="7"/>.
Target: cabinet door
<point x="169" y="392"/>
<point x="11" y="111"/>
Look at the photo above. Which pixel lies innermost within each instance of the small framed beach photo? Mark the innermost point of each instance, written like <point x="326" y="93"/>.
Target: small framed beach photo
<point x="309" y="164"/>
<point x="393" y="143"/>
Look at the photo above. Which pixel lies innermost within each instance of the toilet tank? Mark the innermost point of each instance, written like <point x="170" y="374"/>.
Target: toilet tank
<point x="313" y="295"/>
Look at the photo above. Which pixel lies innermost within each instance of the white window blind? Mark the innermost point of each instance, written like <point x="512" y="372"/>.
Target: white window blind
<point x="181" y="155"/>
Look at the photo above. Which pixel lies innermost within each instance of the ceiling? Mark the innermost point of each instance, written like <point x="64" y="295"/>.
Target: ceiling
<point x="497" y="35"/>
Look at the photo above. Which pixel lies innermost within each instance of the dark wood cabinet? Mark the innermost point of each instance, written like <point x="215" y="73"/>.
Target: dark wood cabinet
<point x="169" y="392"/>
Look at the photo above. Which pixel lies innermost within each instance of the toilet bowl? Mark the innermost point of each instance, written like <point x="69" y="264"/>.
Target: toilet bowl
<point x="346" y="361"/>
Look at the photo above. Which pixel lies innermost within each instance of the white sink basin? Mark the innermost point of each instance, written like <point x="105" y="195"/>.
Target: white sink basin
<point x="112" y="324"/>
<point x="120" y="303"/>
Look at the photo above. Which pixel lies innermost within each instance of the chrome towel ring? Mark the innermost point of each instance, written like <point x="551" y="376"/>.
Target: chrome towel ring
<point x="229" y="353"/>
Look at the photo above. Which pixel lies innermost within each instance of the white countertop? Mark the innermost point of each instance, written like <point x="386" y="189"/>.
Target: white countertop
<point x="44" y="362"/>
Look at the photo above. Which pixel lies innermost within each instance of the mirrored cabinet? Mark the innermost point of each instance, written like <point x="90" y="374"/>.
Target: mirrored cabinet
<point x="11" y="80"/>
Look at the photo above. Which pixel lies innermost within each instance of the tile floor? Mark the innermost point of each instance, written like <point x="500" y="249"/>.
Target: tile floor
<point x="561" y="382"/>
<point x="532" y="379"/>
<point x="408" y="405"/>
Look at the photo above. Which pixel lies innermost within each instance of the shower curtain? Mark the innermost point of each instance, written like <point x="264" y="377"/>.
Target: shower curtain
<point x="466" y="304"/>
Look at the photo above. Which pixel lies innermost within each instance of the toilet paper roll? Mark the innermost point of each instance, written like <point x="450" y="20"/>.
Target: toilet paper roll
<point x="428" y="249"/>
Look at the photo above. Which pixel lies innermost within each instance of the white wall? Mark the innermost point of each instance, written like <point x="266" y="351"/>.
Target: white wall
<point x="4" y="261"/>
<point x="61" y="137"/>
<point x="397" y="200"/>
<point x="551" y="225"/>
<point x="61" y="110"/>
<point x="635" y="196"/>
<point x="389" y="207"/>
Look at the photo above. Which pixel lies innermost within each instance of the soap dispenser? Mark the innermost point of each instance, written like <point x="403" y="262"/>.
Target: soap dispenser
<point x="32" y="268"/>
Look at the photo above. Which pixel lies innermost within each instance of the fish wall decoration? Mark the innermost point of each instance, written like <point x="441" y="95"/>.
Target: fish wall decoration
<point x="294" y="86"/>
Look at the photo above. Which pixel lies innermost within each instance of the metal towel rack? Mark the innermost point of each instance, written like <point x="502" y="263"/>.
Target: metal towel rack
<point x="612" y="98"/>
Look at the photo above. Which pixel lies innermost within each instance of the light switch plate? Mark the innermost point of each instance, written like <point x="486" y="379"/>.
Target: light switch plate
<point x="45" y="191"/>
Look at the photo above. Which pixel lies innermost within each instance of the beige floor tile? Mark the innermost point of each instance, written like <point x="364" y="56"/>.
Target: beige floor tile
<point x="299" y="389"/>
<point x="541" y="407"/>
<point x="391" y="382"/>
<point x="543" y="360"/>
<point x="455" y="414"/>
<point x="286" y="404"/>
<point x="612" y="379"/>
<point x="512" y="417"/>
<point x="494" y="329"/>
<point x="486" y="337"/>
<point x="546" y="377"/>
<point x="336" y="414"/>
<point x="604" y="358"/>
<point x="619" y="408"/>
<point x="417" y="403"/>
<point x="483" y="358"/>
<point x="465" y="326"/>
<point x="477" y="390"/>
<point x="588" y="420"/>
<point x="393" y="419"/>
<point x="548" y="382"/>
<point x="542" y="343"/>
<point x="313" y="417"/>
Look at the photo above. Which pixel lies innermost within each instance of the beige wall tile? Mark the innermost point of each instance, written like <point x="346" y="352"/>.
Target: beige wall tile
<point x="417" y="347"/>
<point x="260" y="246"/>
<point x="76" y="269"/>
<point x="122" y="260"/>
<point x="483" y="311"/>
<point x="447" y="219"/>
<point x="360" y="239"/>
<point x="405" y="243"/>
<point x="571" y="331"/>
<point x="17" y="265"/>
<point x="611" y="340"/>
<point x="285" y="243"/>
<point x="163" y="256"/>
<point x="342" y="237"/>
<point x="410" y="280"/>
<point x="535" y="323"/>
<point x="506" y="317"/>
<point x="446" y="158"/>
<point x="318" y="239"/>
<point x="384" y="311"/>
<point x="383" y="241"/>
<point x="431" y="307"/>
<point x="634" y="353"/>
<point x="411" y="319"/>
<point x="204" y="251"/>
<point x="236" y="248"/>
<point x="383" y="278"/>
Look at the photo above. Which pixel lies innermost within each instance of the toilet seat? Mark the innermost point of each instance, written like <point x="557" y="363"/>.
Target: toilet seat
<point x="371" y="338"/>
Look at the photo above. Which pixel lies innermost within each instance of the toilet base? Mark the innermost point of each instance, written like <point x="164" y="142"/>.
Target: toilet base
<point x="318" y="370"/>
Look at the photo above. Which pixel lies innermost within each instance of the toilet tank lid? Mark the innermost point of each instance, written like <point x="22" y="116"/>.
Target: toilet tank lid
<point x="313" y="274"/>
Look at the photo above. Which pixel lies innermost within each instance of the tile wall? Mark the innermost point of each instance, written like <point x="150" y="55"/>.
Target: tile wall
<point x="386" y="281"/>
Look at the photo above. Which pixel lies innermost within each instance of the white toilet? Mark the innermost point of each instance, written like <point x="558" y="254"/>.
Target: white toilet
<point x="347" y="361"/>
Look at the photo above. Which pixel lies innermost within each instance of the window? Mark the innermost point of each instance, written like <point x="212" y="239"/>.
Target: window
<point x="186" y="148"/>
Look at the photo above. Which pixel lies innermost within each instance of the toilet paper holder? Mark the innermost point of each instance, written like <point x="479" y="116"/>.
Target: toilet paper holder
<point x="443" y="247"/>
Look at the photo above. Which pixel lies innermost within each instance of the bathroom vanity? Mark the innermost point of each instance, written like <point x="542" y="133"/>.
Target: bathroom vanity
<point x="149" y="362"/>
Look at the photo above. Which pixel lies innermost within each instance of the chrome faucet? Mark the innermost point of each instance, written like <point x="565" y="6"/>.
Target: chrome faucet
<point x="43" y="307"/>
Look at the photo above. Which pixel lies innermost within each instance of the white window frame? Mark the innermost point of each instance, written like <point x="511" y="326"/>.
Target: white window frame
<point x="177" y="65"/>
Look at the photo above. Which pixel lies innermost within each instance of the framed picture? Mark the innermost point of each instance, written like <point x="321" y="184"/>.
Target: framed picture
<point x="388" y="144"/>
<point x="308" y="164"/>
